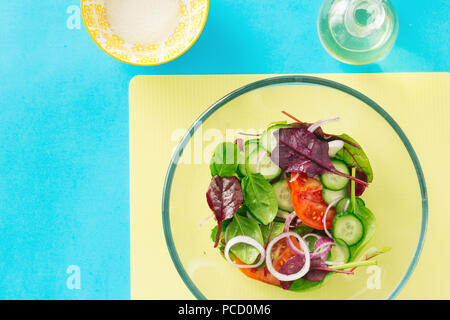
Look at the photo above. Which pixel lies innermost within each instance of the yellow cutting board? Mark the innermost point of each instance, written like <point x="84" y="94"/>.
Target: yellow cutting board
<point x="159" y="105"/>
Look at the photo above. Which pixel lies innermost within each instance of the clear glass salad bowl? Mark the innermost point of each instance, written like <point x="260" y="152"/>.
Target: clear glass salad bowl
<point x="397" y="196"/>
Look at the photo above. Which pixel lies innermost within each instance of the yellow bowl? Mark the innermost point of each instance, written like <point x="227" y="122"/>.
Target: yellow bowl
<point x="193" y="18"/>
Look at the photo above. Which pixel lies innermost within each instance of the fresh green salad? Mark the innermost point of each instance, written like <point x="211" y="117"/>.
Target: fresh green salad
<point x="288" y="204"/>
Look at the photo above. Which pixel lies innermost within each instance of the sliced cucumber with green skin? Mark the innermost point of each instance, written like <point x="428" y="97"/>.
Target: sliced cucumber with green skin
<point x="340" y="252"/>
<point x="259" y="161"/>
<point x="348" y="227"/>
<point x="340" y="206"/>
<point x="333" y="181"/>
<point x="268" y="140"/>
<point x="283" y="195"/>
<point x="249" y="147"/>
<point x="283" y="214"/>
<point x="331" y="195"/>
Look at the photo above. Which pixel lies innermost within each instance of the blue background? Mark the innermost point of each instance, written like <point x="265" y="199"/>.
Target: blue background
<point x="64" y="175"/>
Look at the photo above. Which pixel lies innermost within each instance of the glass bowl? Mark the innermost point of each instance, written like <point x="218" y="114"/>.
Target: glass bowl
<point x="397" y="196"/>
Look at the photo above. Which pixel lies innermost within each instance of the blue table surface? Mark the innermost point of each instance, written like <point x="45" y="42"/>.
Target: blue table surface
<point x="64" y="158"/>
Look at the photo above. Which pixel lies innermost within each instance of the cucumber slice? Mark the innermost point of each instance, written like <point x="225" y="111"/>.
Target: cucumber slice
<point x="249" y="147"/>
<point x="283" y="195"/>
<point x="340" y="252"/>
<point x="333" y="181"/>
<point x="330" y="195"/>
<point x="340" y="206"/>
<point x="348" y="227"/>
<point x="268" y="140"/>
<point x="283" y="214"/>
<point x="266" y="166"/>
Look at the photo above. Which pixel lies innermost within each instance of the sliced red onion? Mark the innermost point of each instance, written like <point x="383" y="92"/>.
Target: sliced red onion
<point x="247" y="240"/>
<point x="324" y="247"/>
<point x="206" y="219"/>
<point x="323" y="242"/>
<point x="317" y="124"/>
<point x="294" y="177"/>
<point x="291" y="277"/>
<point x="324" y="220"/>
<point x="291" y="246"/>
<point x="240" y="143"/>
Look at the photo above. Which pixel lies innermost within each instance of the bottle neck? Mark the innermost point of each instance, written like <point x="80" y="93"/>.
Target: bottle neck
<point x="362" y="17"/>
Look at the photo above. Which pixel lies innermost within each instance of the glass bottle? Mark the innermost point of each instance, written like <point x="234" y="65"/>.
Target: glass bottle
<point x="358" y="31"/>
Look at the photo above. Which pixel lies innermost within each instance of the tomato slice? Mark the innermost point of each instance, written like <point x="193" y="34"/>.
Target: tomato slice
<point x="308" y="202"/>
<point x="280" y="253"/>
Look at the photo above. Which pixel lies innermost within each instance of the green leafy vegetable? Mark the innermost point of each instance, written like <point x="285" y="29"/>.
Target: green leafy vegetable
<point x="353" y="156"/>
<point x="354" y="264"/>
<point x="259" y="197"/>
<point x="368" y="220"/>
<point x="225" y="160"/>
<point x="224" y="197"/>
<point x="222" y="233"/>
<point x="365" y="216"/>
<point x="271" y="231"/>
<point x="303" y="285"/>
<point x="242" y="226"/>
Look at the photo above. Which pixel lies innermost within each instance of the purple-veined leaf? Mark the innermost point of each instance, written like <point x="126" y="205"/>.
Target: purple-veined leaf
<point x="224" y="197"/>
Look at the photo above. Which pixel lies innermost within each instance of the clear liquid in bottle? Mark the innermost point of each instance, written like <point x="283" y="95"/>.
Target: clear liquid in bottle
<point x="358" y="31"/>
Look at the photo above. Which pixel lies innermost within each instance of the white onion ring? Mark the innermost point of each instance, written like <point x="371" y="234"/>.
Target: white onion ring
<point x="287" y="223"/>
<point x="323" y="246"/>
<point x="290" y="277"/>
<point x="247" y="240"/>
<point x="317" y="124"/>
<point x="294" y="177"/>
<point x="324" y="220"/>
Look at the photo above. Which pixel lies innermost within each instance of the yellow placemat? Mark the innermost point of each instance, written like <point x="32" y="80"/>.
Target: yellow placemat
<point x="159" y="105"/>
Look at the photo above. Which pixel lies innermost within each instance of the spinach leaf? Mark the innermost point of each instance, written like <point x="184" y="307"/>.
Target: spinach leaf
<point x="302" y="229"/>
<point x="271" y="231"/>
<point x="353" y="156"/>
<point x="259" y="197"/>
<point x="242" y="226"/>
<point x="225" y="160"/>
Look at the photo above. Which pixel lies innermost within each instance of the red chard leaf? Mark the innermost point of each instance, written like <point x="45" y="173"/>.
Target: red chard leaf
<point x="359" y="188"/>
<point x="317" y="269"/>
<point x="224" y="197"/>
<point x="299" y="150"/>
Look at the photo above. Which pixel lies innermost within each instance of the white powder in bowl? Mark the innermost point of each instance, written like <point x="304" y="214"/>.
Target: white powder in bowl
<point x="143" y="22"/>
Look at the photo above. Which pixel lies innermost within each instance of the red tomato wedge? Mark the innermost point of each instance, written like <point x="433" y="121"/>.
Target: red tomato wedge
<point x="280" y="254"/>
<point x="308" y="202"/>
